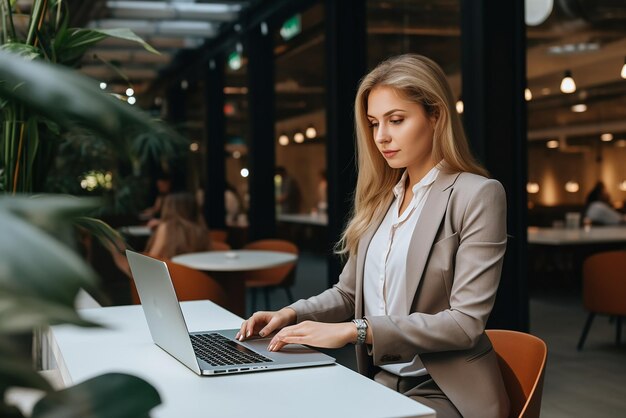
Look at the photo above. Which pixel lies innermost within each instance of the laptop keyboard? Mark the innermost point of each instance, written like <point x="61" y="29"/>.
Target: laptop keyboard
<point x="218" y="350"/>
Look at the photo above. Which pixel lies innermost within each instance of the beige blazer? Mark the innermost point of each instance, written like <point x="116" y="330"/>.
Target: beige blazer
<point x="453" y="269"/>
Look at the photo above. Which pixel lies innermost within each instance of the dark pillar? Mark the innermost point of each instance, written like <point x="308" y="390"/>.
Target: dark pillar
<point x="261" y="153"/>
<point x="214" y="212"/>
<point x="494" y="77"/>
<point x="345" y="46"/>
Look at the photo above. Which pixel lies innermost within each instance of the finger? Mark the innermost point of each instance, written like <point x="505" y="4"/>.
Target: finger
<point x="241" y="331"/>
<point x="271" y="326"/>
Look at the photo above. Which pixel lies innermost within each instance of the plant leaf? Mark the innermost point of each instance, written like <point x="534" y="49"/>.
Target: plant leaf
<point x="103" y="232"/>
<point x="33" y="263"/>
<point x="17" y="369"/>
<point x="84" y="104"/>
<point x="22" y="313"/>
<point x="127" y="34"/>
<point x="28" y="52"/>
<point x="110" y="395"/>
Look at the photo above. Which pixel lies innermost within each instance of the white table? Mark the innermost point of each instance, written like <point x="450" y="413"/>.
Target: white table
<point x="580" y="236"/>
<point x="234" y="260"/>
<point x="228" y="268"/>
<point x="126" y="346"/>
<point x="318" y="219"/>
<point x="136" y="230"/>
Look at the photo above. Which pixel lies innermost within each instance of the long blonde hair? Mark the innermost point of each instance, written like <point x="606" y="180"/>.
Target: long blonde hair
<point x="186" y="230"/>
<point x="420" y="80"/>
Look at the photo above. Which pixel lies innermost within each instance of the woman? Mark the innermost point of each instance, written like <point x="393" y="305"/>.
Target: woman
<point x="180" y="230"/>
<point x="598" y="209"/>
<point x="425" y="244"/>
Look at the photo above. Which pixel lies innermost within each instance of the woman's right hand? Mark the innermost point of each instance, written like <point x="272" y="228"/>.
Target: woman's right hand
<point x="264" y="323"/>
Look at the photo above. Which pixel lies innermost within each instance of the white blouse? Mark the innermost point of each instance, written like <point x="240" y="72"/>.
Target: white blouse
<point x="384" y="288"/>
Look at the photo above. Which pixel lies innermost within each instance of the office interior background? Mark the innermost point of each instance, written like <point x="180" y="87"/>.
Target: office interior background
<point x="254" y="85"/>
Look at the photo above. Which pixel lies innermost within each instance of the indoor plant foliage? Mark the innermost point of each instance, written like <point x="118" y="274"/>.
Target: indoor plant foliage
<point x="41" y="100"/>
<point x="30" y="139"/>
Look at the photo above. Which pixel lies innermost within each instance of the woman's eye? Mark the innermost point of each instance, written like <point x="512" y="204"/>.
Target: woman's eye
<point x="396" y="121"/>
<point x="373" y="124"/>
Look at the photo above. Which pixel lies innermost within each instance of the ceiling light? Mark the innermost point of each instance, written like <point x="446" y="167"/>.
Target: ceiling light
<point x="606" y="137"/>
<point x="103" y="85"/>
<point x="184" y="84"/>
<point x="130" y="91"/>
<point x="572" y="187"/>
<point x="623" y="73"/>
<point x="298" y="137"/>
<point x="244" y="172"/>
<point x="194" y="147"/>
<point x="236" y="155"/>
<point x="579" y="108"/>
<point x="554" y="143"/>
<point x="622" y="185"/>
<point x="567" y="84"/>
<point x="283" y="140"/>
<point x="460" y="107"/>
<point x="621" y="143"/>
<point x="532" y="187"/>
<point x="310" y="132"/>
<point x="528" y="95"/>
<point x="132" y="100"/>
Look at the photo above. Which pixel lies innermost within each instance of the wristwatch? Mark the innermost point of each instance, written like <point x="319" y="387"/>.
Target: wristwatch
<point x="361" y="331"/>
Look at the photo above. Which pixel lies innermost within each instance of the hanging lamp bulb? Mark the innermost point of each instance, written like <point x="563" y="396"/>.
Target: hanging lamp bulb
<point x="567" y="84"/>
<point x="623" y="74"/>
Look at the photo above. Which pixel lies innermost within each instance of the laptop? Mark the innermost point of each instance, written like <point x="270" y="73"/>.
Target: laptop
<point x="208" y="353"/>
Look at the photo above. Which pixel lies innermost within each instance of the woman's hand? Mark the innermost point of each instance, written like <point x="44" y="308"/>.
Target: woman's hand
<point x="315" y="334"/>
<point x="264" y="323"/>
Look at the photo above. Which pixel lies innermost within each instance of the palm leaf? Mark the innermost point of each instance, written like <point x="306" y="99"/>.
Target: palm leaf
<point x="100" y="398"/>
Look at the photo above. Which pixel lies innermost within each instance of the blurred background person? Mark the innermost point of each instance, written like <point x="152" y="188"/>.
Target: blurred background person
<point x="164" y="187"/>
<point x="287" y="192"/>
<point x="598" y="208"/>
<point x="322" y="193"/>
<point x="234" y="205"/>
<point x="181" y="230"/>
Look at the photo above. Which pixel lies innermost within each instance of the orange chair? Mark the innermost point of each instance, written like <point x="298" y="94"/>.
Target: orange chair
<point x="218" y="235"/>
<point x="219" y="246"/>
<point x="522" y="359"/>
<point x="190" y="284"/>
<point x="268" y="279"/>
<point x="604" y="290"/>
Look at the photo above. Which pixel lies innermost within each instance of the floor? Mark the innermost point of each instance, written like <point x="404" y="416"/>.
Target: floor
<point x="587" y="383"/>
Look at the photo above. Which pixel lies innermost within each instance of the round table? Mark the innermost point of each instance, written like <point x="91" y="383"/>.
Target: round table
<point x="227" y="268"/>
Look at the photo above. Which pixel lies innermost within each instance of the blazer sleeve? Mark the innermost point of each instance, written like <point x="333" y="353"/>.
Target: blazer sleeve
<point x="333" y="305"/>
<point x="477" y="268"/>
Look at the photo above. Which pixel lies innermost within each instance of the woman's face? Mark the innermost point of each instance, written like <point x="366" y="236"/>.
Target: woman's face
<point x="402" y="130"/>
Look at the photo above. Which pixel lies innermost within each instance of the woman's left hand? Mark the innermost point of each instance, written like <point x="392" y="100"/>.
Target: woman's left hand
<point x="315" y="334"/>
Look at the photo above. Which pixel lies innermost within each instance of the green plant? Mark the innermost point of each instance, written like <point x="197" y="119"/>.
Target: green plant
<point x="30" y="139"/>
<point x="40" y="275"/>
<point x="39" y="280"/>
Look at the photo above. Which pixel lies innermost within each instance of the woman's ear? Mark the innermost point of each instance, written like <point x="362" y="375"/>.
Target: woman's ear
<point x="433" y="117"/>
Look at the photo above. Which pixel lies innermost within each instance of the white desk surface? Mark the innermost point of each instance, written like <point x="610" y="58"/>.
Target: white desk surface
<point x="126" y="346"/>
<point x="303" y="218"/>
<point x="564" y="236"/>
<point x="234" y="260"/>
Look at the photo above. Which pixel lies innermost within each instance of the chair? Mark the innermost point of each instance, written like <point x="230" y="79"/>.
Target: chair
<point x="219" y="246"/>
<point x="268" y="279"/>
<point x="604" y="290"/>
<point x="522" y="359"/>
<point x="190" y="284"/>
<point x="218" y="235"/>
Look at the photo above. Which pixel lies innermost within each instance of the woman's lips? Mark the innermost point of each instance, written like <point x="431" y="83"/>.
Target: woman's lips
<point x="390" y="153"/>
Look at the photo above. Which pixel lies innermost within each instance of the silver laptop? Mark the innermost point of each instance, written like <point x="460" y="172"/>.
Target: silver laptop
<point x="209" y="353"/>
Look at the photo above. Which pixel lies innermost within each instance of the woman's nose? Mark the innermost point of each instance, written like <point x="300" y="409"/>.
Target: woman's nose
<point x="381" y="135"/>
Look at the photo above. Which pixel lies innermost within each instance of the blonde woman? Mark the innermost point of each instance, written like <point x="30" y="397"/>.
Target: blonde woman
<point x="425" y="247"/>
<point x="181" y="228"/>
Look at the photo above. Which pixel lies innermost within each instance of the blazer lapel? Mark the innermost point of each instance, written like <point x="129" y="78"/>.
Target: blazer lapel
<point x="426" y="230"/>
